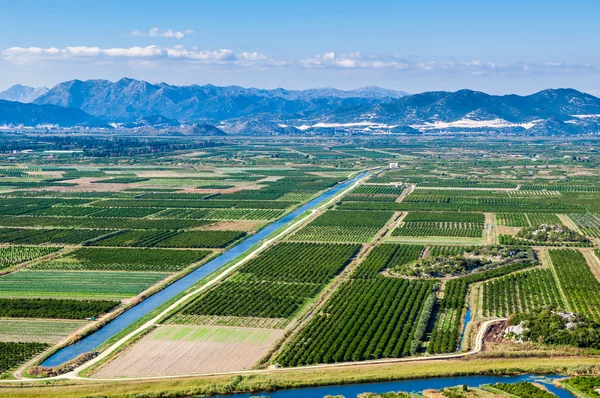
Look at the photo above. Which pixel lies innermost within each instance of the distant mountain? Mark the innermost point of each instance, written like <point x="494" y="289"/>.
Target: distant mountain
<point x="258" y="126"/>
<point x="204" y="130"/>
<point x="128" y="99"/>
<point x="475" y="105"/>
<point x="198" y="109"/>
<point x="156" y="121"/>
<point x="21" y="93"/>
<point x="18" y="113"/>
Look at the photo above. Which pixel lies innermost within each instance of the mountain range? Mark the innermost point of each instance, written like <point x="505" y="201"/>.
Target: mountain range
<point x="130" y="103"/>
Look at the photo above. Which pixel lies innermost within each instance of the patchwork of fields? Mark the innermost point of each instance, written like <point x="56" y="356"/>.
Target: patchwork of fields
<point x="90" y="242"/>
<point x="404" y="264"/>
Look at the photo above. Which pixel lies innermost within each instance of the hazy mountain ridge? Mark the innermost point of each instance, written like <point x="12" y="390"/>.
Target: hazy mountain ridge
<point x="23" y="94"/>
<point x="18" y="113"/>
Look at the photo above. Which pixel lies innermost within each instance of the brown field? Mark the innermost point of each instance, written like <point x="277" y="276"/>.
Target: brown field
<point x="503" y="230"/>
<point x="247" y="226"/>
<point x="176" y="350"/>
<point x="86" y="184"/>
<point x="174" y="174"/>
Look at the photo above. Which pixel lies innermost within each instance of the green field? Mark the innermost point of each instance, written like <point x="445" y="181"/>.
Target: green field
<point x="113" y="259"/>
<point x="67" y="284"/>
<point x="33" y="330"/>
<point x="211" y="334"/>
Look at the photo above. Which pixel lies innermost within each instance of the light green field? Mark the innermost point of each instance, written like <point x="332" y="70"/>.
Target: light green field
<point x="114" y="285"/>
<point x="212" y="334"/>
<point x="436" y="240"/>
<point x="175" y="182"/>
<point x="37" y="330"/>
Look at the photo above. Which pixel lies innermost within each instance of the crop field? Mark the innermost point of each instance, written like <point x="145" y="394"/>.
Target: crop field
<point x="54" y="308"/>
<point x="577" y="282"/>
<point x="124" y="212"/>
<point x="512" y="219"/>
<point x="78" y="223"/>
<point x="376" y="190"/>
<point x="387" y="256"/>
<point x="195" y="204"/>
<point x="172" y="350"/>
<point x="344" y="330"/>
<point x="589" y="224"/>
<point x="519" y="292"/>
<point x="112" y="259"/>
<point x="275" y="284"/>
<point x="13" y="354"/>
<point x="35" y="330"/>
<point x="43" y="236"/>
<point x="343" y="226"/>
<point x="221" y="214"/>
<point x="437" y="228"/>
<point x="13" y="255"/>
<point x="84" y="284"/>
<point x="427" y="225"/>
<point x="420" y="200"/>
<point x="526" y="219"/>
<point x="171" y="239"/>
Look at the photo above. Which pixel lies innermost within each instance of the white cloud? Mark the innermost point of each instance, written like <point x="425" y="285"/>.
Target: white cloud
<point x="330" y="60"/>
<point x="30" y="55"/>
<point x="356" y="60"/>
<point x="168" y="33"/>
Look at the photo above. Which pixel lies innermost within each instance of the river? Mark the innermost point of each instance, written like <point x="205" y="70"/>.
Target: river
<point x="93" y="340"/>
<point x="410" y="386"/>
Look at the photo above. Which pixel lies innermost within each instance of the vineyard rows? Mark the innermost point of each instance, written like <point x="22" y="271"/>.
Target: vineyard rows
<point x="173" y="239"/>
<point x="386" y="256"/>
<point x="368" y="317"/>
<point x="54" y="308"/>
<point x="376" y="190"/>
<point x="458" y="217"/>
<point x="510" y="240"/>
<point x="433" y="228"/>
<point x="343" y="226"/>
<point x="18" y="254"/>
<point x="577" y="282"/>
<point x="276" y="283"/>
<point x="519" y="292"/>
<point x="365" y="319"/>
<point x="14" y="354"/>
<point x="43" y="236"/>
<point x="589" y="224"/>
<point x="561" y="188"/>
<point x="100" y="223"/>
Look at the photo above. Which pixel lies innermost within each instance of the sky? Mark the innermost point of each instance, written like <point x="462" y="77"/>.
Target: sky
<point x="494" y="46"/>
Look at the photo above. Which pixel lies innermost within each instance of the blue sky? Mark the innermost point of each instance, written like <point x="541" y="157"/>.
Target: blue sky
<point x="495" y="46"/>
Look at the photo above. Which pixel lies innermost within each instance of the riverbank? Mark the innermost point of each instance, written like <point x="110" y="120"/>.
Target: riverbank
<point x="283" y="379"/>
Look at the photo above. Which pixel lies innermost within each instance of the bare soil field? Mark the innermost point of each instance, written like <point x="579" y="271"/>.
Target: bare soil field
<point x="173" y="350"/>
<point x="174" y="174"/>
<point x="503" y="230"/>
<point x="247" y="226"/>
<point x="86" y="184"/>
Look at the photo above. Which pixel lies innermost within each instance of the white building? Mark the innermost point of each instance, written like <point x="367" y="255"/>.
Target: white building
<point x="393" y="165"/>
